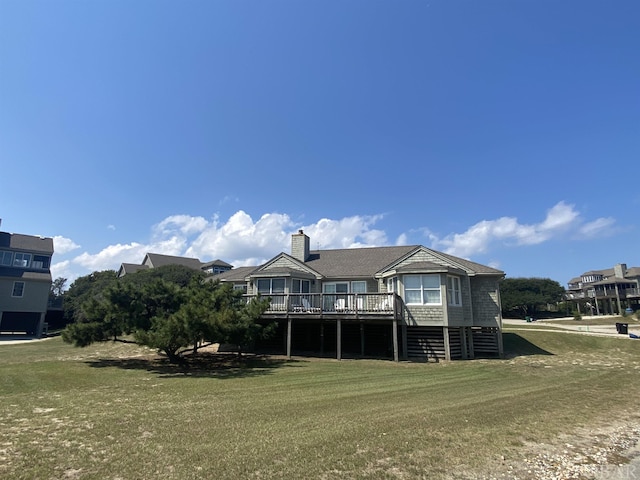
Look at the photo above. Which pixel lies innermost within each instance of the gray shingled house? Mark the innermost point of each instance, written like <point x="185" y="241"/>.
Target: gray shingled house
<point x="155" y="260"/>
<point x="610" y="291"/>
<point x="25" y="282"/>
<point x="407" y="302"/>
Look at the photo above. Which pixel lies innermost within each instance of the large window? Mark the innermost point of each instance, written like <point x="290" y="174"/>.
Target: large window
<point x="22" y="260"/>
<point x="268" y="286"/>
<point x="454" y="294"/>
<point x="422" y="290"/>
<point x="274" y="288"/>
<point x="18" y="289"/>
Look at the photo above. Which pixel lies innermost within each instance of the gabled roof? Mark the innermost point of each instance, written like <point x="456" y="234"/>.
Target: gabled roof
<point x="428" y="267"/>
<point x="127" y="268"/>
<point x="235" y="275"/>
<point x="469" y="266"/>
<point x="158" y="260"/>
<point x="216" y="263"/>
<point x="348" y="263"/>
<point x="27" y="243"/>
<point x="633" y="272"/>
<point x="369" y="261"/>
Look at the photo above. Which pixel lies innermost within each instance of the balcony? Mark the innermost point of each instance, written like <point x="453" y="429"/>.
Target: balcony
<point x="610" y="292"/>
<point x="345" y="305"/>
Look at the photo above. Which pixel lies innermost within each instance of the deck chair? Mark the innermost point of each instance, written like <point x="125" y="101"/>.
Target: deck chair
<point x="307" y="306"/>
<point x="340" y="305"/>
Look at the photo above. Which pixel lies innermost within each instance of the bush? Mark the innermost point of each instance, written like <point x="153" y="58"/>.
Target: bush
<point x="577" y="315"/>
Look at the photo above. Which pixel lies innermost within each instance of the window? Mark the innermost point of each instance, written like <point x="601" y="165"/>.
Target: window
<point x="22" y="260"/>
<point x="273" y="288"/>
<point x="268" y="286"/>
<point x="6" y="258"/>
<point x="335" y="287"/>
<point x="454" y="294"/>
<point x="18" y="289"/>
<point x="300" y="286"/>
<point x="422" y="289"/>
<point x="40" y="262"/>
<point x="392" y="285"/>
<point x="336" y="298"/>
<point x="359" y="287"/>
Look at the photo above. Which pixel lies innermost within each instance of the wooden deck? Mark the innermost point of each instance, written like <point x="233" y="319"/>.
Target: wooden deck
<point x="331" y="305"/>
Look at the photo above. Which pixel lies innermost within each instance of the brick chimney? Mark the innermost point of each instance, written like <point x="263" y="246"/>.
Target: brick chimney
<point x="300" y="246"/>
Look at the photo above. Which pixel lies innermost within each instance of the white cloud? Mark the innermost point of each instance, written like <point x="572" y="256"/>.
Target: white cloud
<point x="62" y="269"/>
<point x="349" y="232"/>
<point x="111" y="227"/>
<point x="62" y="245"/>
<point x="240" y="238"/>
<point x="111" y="257"/>
<point x="184" y="224"/>
<point x="479" y="238"/>
<point x="598" y="227"/>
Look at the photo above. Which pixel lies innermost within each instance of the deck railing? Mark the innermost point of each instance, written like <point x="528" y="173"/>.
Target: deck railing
<point x="605" y="293"/>
<point x="333" y="303"/>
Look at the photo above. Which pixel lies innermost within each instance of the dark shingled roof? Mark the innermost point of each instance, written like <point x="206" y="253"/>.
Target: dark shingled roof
<point x="366" y="262"/>
<point x="218" y="263"/>
<point x="354" y="262"/>
<point x="473" y="266"/>
<point x="361" y="263"/>
<point x="159" y="260"/>
<point x="27" y="243"/>
<point x="236" y="275"/>
<point x="131" y="268"/>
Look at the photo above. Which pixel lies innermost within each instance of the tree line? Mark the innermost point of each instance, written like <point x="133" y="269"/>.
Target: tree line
<point x="522" y="297"/>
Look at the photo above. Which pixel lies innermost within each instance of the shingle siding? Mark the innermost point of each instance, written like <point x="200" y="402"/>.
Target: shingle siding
<point x="486" y="301"/>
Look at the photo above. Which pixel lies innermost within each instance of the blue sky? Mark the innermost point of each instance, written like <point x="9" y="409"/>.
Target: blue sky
<point x="507" y="132"/>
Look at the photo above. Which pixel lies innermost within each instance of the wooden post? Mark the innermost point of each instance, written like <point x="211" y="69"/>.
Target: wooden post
<point x="361" y="339"/>
<point x="463" y="343"/>
<point x="395" y="340"/>
<point x="405" y="342"/>
<point x="500" y="346"/>
<point x="447" y="344"/>
<point x="289" y="338"/>
<point x="618" y="300"/>
<point x="339" y="339"/>
<point x="321" y="338"/>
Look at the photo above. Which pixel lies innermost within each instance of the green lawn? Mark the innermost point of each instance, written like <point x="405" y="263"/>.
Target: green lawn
<point x="115" y="411"/>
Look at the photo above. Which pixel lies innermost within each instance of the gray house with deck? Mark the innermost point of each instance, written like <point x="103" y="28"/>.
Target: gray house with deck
<point x="408" y="302"/>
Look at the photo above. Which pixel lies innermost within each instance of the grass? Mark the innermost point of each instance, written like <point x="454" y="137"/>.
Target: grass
<point x="114" y="411"/>
<point x="631" y="320"/>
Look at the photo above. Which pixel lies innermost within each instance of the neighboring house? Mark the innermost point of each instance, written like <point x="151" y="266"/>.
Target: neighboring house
<point x="396" y="302"/>
<point x="609" y="291"/>
<point x="155" y="260"/>
<point x="25" y="282"/>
